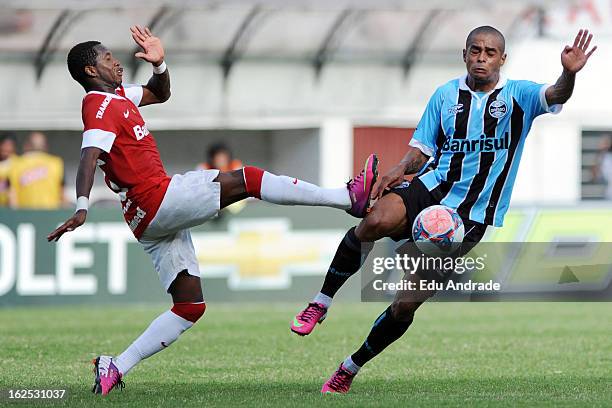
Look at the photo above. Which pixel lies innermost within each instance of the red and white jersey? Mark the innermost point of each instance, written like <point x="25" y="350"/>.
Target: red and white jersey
<point x="130" y="159"/>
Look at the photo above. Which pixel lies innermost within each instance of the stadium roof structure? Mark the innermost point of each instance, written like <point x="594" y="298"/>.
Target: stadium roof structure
<point x="315" y="32"/>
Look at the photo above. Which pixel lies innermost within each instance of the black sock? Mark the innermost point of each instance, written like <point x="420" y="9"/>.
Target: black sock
<point x="346" y="262"/>
<point x="384" y="332"/>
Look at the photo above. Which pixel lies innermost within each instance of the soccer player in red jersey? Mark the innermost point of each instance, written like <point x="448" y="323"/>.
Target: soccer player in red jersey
<point x="160" y="209"/>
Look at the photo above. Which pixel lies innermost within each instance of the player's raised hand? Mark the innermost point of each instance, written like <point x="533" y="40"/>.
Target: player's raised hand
<point x="73" y="222"/>
<point x="152" y="48"/>
<point x="575" y="57"/>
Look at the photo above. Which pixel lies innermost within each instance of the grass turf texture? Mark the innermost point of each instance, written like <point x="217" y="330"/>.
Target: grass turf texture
<point x="486" y="354"/>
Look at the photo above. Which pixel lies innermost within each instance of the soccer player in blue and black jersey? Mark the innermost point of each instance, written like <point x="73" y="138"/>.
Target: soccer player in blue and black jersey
<point x="465" y="153"/>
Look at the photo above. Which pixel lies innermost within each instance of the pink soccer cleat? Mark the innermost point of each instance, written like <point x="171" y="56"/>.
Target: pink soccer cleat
<point x="360" y="187"/>
<point x="339" y="382"/>
<point x="306" y="320"/>
<point x="107" y="375"/>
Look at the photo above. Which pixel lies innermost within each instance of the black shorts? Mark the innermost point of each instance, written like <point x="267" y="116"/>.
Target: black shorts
<point x="416" y="198"/>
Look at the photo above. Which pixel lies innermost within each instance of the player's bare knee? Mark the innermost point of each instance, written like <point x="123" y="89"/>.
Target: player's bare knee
<point x="373" y="227"/>
<point x="232" y="181"/>
<point x="238" y="176"/>
<point x="186" y="288"/>
<point x="189" y="311"/>
<point x="233" y="187"/>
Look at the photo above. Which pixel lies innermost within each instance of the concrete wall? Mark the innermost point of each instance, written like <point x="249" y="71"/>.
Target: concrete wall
<point x="288" y="96"/>
<point x="292" y="152"/>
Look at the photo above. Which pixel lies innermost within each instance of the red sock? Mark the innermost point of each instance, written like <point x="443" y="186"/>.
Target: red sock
<point x="252" y="180"/>
<point x="189" y="311"/>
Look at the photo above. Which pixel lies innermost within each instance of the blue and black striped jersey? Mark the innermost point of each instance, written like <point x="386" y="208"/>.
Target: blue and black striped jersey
<point x="476" y="140"/>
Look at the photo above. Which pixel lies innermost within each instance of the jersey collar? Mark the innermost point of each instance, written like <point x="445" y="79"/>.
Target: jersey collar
<point x="112" y="95"/>
<point x="463" y="84"/>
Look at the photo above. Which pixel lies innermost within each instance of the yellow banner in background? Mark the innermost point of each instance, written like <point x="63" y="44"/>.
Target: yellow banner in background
<point x="264" y="252"/>
<point x="547" y="225"/>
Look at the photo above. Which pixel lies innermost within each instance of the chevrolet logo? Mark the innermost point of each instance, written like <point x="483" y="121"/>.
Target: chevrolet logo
<point x="264" y="253"/>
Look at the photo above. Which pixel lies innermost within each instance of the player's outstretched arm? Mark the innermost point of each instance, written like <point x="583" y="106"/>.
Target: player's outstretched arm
<point x="573" y="59"/>
<point x="157" y="90"/>
<point x="412" y="162"/>
<point x="84" y="182"/>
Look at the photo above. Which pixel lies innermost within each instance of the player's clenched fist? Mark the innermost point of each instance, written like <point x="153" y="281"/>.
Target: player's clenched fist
<point x="152" y="48"/>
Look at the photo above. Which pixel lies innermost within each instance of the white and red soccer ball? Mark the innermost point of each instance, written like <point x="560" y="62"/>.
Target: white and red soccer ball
<point x="438" y="230"/>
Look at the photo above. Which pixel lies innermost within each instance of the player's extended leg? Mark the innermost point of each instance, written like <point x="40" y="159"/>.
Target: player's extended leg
<point x="387" y="328"/>
<point x="397" y="318"/>
<point x="188" y="307"/>
<point x="354" y="198"/>
<point x="387" y="218"/>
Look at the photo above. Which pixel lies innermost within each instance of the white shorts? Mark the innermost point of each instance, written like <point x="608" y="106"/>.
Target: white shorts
<point x="191" y="199"/>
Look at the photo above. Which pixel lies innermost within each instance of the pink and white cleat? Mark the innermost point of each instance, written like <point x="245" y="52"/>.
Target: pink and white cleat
<point x="339" y="382"/>
<point x="107" y="375"/>
<point x="306" y="320"/>
<point x="361" y="186"/>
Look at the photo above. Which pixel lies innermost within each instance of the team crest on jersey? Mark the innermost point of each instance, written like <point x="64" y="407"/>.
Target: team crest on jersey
<point x="498" y="109"/>
<point x="455" y="109"/>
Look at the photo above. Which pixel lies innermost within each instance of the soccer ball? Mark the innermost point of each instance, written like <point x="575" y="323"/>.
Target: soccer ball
<point x="438" y="230"/>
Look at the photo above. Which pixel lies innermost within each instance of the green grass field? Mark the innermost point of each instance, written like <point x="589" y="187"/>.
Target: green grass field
<point x="487" y="354"/>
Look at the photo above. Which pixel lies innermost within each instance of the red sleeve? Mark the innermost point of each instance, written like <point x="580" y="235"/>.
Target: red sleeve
<point x="99" y="128"/>
<point x="97" y="113"/>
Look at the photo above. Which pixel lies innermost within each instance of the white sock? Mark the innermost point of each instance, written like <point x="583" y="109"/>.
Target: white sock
<point x="323" y="299"/>
<point x="291" y="191"/>
<point x="165" y="329"/>
<point x="350" y="365"/>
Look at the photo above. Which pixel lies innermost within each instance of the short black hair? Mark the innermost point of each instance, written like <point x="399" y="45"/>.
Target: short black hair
<point x="80" y="56"/>
<point x="8" y="136"/>
<point x="216" y="148"/>
<point x="486" y="30"/>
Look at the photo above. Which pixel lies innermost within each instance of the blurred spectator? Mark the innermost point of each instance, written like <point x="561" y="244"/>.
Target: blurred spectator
<point x="220" y="157"/>
<point x="15" y="21"/>
<point x="603" y="168"/>
<point x="36" y="178"/>
<point x="7" y="155"/>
